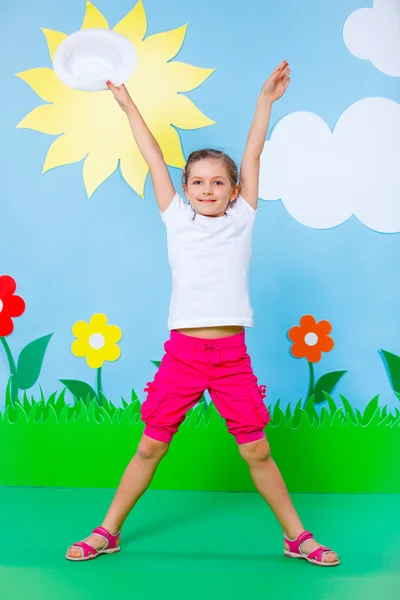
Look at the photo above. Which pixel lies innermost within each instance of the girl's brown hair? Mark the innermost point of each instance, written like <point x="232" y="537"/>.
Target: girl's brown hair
<point x="230" y="164"/>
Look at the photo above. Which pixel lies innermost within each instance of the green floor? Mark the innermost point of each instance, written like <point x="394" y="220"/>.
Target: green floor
<point x="189" y="545"/>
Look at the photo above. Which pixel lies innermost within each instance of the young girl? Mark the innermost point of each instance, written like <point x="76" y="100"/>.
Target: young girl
<point x="209" y="248"/>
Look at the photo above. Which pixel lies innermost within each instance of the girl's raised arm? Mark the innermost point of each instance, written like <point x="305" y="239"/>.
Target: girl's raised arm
<point x="148" y="146"/>
<point x="273" y="88"/>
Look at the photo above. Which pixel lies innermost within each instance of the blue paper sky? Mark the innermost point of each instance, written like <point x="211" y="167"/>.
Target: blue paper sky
<point x="72" y="257"/>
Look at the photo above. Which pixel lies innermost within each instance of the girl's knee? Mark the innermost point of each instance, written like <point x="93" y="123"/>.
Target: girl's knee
<point x="151" y="449"/>
<point x="255" y="452"/>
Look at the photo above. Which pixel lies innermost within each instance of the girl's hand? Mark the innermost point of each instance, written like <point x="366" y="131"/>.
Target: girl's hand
<point x="121" y="95"/>
<point x="277" y="83"/>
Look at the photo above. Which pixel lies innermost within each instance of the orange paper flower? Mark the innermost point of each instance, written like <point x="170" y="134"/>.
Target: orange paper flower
<point x="311" y="339"/>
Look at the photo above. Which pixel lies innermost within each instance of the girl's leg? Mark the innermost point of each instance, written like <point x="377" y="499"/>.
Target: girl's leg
<point x="270" y="484"/>
<point x="135" y="481"/>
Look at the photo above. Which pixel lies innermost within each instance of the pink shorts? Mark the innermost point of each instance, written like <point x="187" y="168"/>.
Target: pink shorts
<point x="192" y="365"/>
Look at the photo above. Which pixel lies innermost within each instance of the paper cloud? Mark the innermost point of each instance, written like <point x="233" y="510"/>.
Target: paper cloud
<point x="374" y="34"/>
<point x="324" y="177"/>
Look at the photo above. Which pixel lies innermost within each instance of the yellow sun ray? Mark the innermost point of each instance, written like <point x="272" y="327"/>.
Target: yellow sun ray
<point x="54" y="39"/>
<point x="63" y="151"/>
<point x="185" y="114"/>
<point x="93" y="126"/>
<point x="185" y="78"/>
<point x="134" y="168"/>
<point x="170" y="144"/>
<point x="93" y="18"/>
<point x="165" y="45"/>
<point x="45" y="83"/>
<point x="97" y="167"/>
<point x="44" y="118"/>
<point x="134" y="25"/>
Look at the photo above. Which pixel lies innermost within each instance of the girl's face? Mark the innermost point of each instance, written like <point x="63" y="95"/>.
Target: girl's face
<point x="208" y="188"/>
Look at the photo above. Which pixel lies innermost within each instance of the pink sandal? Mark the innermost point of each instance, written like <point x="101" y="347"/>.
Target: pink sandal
<point x="316" y="557"/>
<point x="88" y="552"/>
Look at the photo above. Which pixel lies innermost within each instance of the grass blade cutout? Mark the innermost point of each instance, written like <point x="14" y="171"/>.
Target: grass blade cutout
<point x="370" y="410"/>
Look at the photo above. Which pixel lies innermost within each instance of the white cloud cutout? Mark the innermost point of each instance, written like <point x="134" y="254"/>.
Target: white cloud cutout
<point x="323" y="178"/>
<point x="374" y="34"/>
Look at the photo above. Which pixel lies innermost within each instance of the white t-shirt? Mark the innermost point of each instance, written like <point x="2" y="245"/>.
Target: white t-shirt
<point x="209" y="258"/>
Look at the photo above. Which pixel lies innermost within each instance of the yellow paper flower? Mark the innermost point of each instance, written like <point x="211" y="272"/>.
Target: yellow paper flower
<point x="96" y="340"/>
<point x="94" y="128"/>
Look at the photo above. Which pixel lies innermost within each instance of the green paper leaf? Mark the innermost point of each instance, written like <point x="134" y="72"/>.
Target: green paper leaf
<point x="80" y="389"/>
<point x="157" y="363"/>
<point x="30" y="362"/>
<point x="327" y="384"/>
<point x="392" y="363"/>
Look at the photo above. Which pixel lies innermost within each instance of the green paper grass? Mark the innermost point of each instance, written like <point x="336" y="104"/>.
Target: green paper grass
<point x="333" y="449"/>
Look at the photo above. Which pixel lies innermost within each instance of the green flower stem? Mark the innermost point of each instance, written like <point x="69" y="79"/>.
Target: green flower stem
<point x="13" y="368"/>
<point x="312" y="381"/>
<point x="99" y="388"/>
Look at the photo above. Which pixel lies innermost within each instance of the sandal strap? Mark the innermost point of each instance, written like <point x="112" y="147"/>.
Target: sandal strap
<point x="86" y="549"/>
<point x="294" y="545"/>
<point x="319" y="553"/>
<point x="111" y="540"/>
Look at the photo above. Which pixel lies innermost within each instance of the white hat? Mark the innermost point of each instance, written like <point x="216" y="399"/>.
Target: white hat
<point x="85" y="60"/>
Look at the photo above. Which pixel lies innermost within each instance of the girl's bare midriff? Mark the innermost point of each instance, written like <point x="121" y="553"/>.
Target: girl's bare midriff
<point x="211" y="333"/>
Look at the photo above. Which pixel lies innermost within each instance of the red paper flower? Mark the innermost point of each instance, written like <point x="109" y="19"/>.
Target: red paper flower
<point x="311" y="339"/>
<point x="10" y="305"/>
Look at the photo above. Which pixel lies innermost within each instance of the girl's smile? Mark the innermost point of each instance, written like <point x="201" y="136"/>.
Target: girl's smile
<point x="208" y="188"/>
